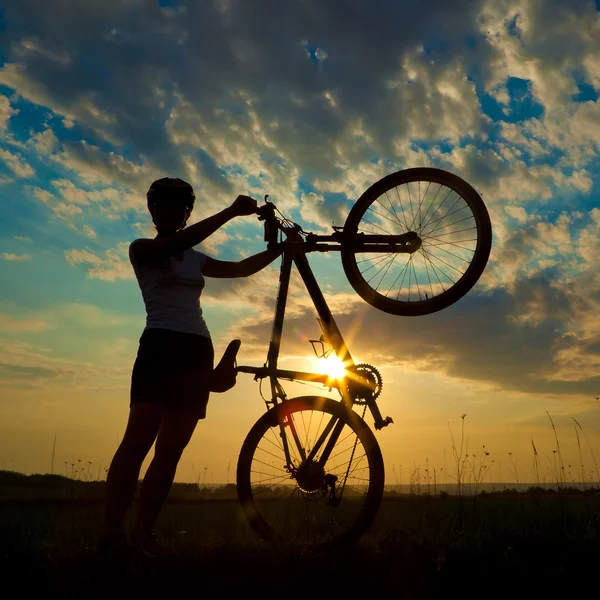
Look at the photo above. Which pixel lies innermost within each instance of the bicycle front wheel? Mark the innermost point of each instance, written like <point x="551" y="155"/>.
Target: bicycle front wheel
<point x="451" y="246"/>
<point x="310" y="500"/>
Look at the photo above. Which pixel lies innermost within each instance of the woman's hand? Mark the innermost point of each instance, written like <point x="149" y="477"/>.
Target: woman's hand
<point x="244" y="205"/>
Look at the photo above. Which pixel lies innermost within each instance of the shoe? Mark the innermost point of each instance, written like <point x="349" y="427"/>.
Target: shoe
<point x="224" y="374"/>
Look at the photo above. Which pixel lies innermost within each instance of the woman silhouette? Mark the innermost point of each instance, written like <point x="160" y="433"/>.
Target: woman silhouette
<point x="173" y="373"/>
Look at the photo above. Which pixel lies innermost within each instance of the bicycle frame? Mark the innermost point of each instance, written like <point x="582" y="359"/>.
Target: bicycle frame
<point x="332" y="336"/>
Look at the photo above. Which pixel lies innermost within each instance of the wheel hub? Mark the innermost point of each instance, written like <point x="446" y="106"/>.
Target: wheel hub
<point x="413" y="242"/>
<point x="310" y="477"/>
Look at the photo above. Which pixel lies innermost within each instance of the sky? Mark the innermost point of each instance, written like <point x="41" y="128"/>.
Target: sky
<point x="309" y="101"/>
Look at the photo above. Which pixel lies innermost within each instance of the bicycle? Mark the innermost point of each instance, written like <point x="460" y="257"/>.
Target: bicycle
<point x="310" y="470"/>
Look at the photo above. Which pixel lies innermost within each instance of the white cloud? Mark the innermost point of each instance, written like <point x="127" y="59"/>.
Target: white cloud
<point x="63" y="210"/>
<point x="80" y="108"/>
<point x="17" y="164"/>
<point x="15" y="257"/>
<point x="43" y="143"/>
<point x="114" y="265"/>
<point x="89" y="232"/>
<point x="260" y="118"/>
<point x="212" y="244"/>
<point x="6" y="111"/>
<point x="534" y="52"/>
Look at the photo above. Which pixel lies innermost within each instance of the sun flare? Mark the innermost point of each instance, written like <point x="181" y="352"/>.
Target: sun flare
<point x="332" y="366"/>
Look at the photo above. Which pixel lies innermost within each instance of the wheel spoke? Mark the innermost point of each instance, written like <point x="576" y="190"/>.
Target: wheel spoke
<point x="416" y="278"/>
<point x="410" y="201"/>
<point x="421" y="226"/>
<point x="269" y="453"/>
<point x="453" y="232"/>
<point x="434" y="268"/>
<point x="428" y="275"/>
<point x="374" y="225"/>
<point x="371" y="260"/>
<point x="385" y="217"/>
<point x="394" y="257"/>
<point x="421" y="198"/>
<point x="391" y="259"/>
<point x="447" y="215"/>
<point x="450" y="225"/>
<point x="455" y="236"/>
<point x="451" y="254"/>
<point x="429" y="254"/>
<point x="446" y="243"/>
<point x="262" y="489"/>
<point x="438" y="208"/>
<point x="399" y="200"/>
<point x="394" y="214"/>
<point x="403" y="274"/>
<point x="299" y="509"/>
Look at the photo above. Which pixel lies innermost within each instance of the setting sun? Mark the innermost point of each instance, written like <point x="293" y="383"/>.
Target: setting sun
<point x="332" y="366"/>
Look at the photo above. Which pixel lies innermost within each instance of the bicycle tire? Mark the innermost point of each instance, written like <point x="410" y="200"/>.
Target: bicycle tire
<point x="434" y="187"/>
<point x="285" y="513"/>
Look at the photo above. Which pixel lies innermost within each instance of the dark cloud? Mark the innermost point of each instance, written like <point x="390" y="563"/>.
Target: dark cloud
<point x="192" y="84"/>
<point x="510" y="340"/>
<point x="131" y="60"/>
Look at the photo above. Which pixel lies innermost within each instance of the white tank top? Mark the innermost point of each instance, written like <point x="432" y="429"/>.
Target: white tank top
<point x="171" y="291"/>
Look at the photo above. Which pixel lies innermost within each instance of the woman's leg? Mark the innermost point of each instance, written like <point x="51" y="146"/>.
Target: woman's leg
<point x="174" y="435"/>
<point x="142" y="428"/>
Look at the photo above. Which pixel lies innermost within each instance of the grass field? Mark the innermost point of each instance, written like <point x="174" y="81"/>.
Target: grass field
<point x="508" y="543"/>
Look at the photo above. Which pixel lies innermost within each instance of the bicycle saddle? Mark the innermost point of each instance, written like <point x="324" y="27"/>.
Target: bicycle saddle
<point x="224" y="374"/>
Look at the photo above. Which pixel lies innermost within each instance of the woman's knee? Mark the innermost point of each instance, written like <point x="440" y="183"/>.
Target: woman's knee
<point x="133" y="451"/>
<point x="175" y="433"/>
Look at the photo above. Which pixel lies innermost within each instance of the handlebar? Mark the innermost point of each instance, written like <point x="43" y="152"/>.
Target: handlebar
<point x="335" y="242"/>
<point x="266" y="213"/>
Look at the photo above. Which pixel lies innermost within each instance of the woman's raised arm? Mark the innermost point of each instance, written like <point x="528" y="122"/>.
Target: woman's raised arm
<point x="222" y="269"/>
<point x="188" y="237"/>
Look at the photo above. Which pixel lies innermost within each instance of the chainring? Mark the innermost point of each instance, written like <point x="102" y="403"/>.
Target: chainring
<point x="369" y="388"/>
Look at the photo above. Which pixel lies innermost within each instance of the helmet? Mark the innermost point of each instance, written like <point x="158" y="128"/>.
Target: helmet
<point x="170" y="189"/>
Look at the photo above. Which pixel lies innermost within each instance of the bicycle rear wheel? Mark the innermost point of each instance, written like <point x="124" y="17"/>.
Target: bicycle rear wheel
<point x="314" y="504"/>
<point x="454" y="238"/>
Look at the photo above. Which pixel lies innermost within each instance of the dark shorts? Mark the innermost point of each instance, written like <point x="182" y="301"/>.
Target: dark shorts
<point x="173" y="368"/>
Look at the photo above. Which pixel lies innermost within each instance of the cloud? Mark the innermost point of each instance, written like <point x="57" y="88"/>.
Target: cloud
<point x="66" y="211"/>
<point x="6" y="112"/>
<point x="530" y="50"/>
<point x="43" y="348"/>
<point x="248" y="53"/>
<point x="514" y="341"/>
<point x="314" y="209"/>
<point x="33" y="46"/>
<point x="17" y="164"/>
<point x="30" y="366"/>
<point x="15" y="257"/>
<point x="61" y="316"/>
<point x="114" y="265"/>
<point x="17" y="325"/>
<point x="312" y="102"/>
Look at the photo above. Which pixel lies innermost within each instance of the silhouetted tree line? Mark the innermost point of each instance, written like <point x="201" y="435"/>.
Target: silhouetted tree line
<point x="192" y="491"/>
